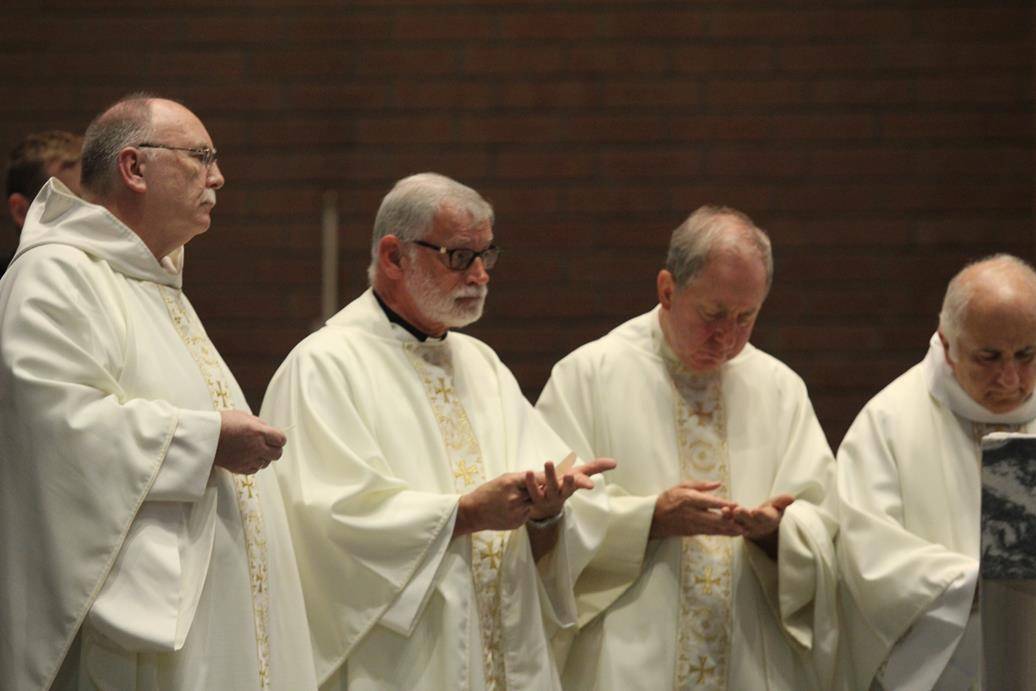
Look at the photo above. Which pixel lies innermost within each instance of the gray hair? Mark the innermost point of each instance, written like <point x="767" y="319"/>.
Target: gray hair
<point x="707" y="230"/>
<point x="961" y="289"/>
<point x="408" y="210"/>
<point x="127" y="122"/>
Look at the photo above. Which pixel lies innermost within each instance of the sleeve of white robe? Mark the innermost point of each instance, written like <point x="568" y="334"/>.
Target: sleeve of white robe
<point x="80" y="455"/>
<point x="890" y="575"/>
<point x="361" y="535"/>
<point x="581" y="531"/>
<point x="801" y="586"/>
<point x="567" y="404"/>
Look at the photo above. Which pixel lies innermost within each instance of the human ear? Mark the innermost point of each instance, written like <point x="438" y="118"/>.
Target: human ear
<point x="130" y="167"/>
<point x="390" y="257"/>
<point x="18" y="206"/>
<point x="945" y="348"/>
<point x="666" y="285"/>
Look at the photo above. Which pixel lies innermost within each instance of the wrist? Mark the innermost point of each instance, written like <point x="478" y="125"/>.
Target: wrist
<point x="542" y="523"/>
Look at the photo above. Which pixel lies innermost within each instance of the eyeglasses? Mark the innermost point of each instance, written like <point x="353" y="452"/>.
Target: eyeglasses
<point x="207" y="156"/>
<point x="461" y="258"/>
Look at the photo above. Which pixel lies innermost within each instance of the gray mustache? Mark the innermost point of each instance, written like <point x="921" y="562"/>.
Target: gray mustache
<point x="472" y="292"/>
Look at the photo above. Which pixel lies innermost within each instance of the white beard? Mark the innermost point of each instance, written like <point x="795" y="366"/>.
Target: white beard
<point x="443" y="307"/>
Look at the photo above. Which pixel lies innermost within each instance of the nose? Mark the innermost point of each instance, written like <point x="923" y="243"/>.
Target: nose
<point x="724" y="333"/>
<point x="214" y="176"/>
<point x="1010" y="374"/>
<point x="477" y="274"/>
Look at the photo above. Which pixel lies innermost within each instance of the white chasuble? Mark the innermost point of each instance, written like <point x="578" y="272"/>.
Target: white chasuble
<point x="129" y="561"/>
<point x="910" y="485"/>
<point x="708" y="613"/>
<point x="386" y="434"/>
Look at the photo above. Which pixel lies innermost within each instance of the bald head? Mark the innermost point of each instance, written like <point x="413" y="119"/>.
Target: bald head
<point x="712" y="230"/>
<point x="127" y="122"/>
<point x="1002" y="285"/>
<point x="988" y="330"/>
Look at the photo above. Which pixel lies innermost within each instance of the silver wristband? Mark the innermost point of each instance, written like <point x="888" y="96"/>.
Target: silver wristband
<point x="541" y="523"/>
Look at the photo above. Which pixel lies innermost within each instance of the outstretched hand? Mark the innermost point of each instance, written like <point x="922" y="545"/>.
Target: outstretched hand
<point x="690" y="508"/>
<point x="548" y="493"/>
<point x="763" y="521"/>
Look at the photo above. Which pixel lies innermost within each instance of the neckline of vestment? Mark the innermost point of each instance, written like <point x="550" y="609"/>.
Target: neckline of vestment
<point x="944" y="388"/>
<point x="57" y="216"/>
<point x="397" y="319"/>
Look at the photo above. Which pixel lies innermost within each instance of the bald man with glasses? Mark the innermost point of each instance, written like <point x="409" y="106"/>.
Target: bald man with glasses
<point x="140" y="546"/>
<point x="437" y="541"/>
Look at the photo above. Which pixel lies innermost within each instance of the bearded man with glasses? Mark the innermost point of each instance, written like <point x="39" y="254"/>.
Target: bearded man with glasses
<point x="436" y="547"/>
<point x="140" y="547"/>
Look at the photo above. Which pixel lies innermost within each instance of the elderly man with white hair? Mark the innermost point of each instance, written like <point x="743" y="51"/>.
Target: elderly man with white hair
<point x="140" y="548"/>
<point x="910" y="484"/>
<point x="433" y="540"/>
<point x="718" y="567"/>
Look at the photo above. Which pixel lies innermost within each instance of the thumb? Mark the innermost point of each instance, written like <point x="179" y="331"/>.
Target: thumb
<point x="782" y="501"/>
<point x="274" y="437"/>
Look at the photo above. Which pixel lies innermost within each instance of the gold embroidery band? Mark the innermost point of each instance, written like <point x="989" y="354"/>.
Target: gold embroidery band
<point x="204" y="355"/>
<point x="703" y="638"/>
<point x="435" y="368"/>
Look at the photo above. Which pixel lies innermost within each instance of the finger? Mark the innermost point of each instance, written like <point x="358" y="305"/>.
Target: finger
<point x="782" y="501"/>
<point x="531" y="487"/>
<point x="274" y="452"/>
<point x="568" y="485"/>
<point x="580" y="481"/>
<point x="715" y="525"/>
<point x="598" y="465"/>
<point x="551" y="479"/>
<point x="702" y="486"/>
<point x="702" y="500"/>
<point x="274" y="437"/>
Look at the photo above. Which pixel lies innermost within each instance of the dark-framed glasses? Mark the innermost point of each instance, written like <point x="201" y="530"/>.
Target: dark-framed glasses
<point x="205" y="155"/>
<point x="461" y="258"/>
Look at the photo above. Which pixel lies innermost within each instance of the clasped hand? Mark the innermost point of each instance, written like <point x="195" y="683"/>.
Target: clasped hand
<point x="246" y="443"/>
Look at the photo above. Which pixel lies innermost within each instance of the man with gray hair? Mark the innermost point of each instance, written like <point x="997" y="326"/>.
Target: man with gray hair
<point x="139" y="547"/>
<point x="436" y="548"/>
<point x="910" y="484"/>
<point x="717" y="568"/>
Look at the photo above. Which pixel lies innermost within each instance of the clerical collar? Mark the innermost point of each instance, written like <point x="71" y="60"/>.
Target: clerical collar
<point x="396" y="319"/>
<point x="945" y="388"/>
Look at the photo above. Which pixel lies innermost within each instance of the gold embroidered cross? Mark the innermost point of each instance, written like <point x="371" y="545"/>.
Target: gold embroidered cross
<point x="443" y="389"/>
<point x="702" y="670"/>
<point x="222" y="396"/>
<point x="707" y="581"/>
<point x="249" y="485"/>
<point x="493" y="553"/>
<point x="464" y="472"/>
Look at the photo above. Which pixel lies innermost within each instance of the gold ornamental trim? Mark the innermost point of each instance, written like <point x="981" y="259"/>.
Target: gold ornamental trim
<point x="706" y="561"/>
<point x="434" y="366"/>
<point x="246" y="493"/>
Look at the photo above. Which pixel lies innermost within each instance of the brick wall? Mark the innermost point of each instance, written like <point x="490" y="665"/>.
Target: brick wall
<point x="882" y="145"/>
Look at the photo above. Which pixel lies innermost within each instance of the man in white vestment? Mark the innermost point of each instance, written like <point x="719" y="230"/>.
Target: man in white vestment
<point x="909" y="478"/>
<point x="437" y="549"/>
<point x="139" y="548"/>
<point x="718" y="567"/>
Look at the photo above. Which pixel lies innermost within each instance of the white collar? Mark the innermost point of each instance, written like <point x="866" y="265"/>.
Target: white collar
<point x="944" y="387"/>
